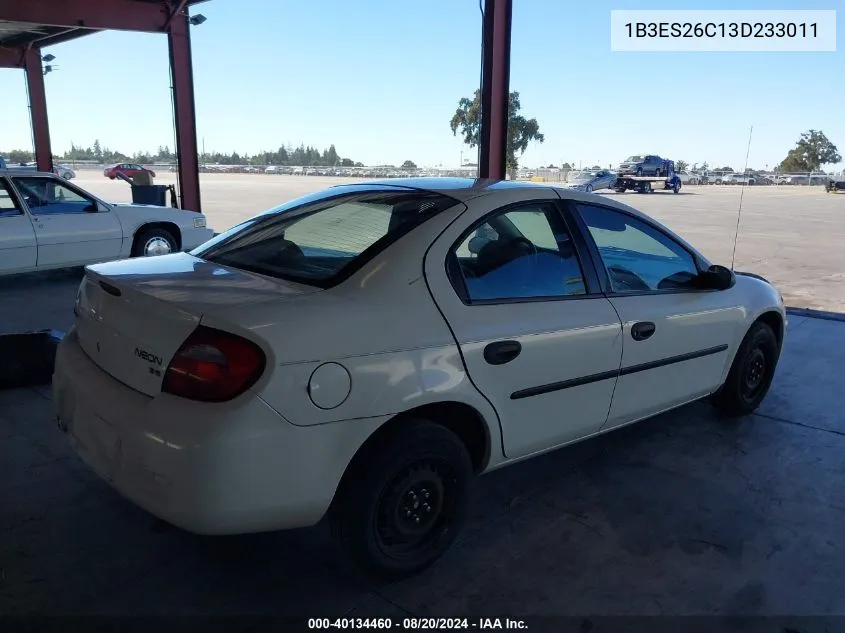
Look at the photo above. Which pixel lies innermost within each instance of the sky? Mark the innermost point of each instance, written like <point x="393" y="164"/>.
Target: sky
<point x="381" y="79"/>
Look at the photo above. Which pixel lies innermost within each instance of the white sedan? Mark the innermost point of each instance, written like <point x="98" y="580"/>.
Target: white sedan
<point x="365" y="351"/>
<point x="47" y="222"/>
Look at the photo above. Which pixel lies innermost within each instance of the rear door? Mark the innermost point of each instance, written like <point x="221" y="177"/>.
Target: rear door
<point x="676" y="339"/>
<point x="537" y="337"/>
<point x="71" y="228"/>
<point x="17" y="237"/>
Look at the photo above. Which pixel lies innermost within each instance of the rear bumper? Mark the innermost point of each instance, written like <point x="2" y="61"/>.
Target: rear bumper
<point x="227" y="468"/>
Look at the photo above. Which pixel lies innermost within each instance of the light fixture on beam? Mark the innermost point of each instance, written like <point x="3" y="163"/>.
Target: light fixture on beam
<point x="197" y="19"/>
<point x="48" y="58"/>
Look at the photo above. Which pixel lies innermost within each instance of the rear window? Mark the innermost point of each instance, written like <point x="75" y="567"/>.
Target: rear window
<point x="322" y="239"/>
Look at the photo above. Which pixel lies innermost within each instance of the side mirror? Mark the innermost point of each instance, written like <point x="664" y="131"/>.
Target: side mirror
<point x="717" y="278"/>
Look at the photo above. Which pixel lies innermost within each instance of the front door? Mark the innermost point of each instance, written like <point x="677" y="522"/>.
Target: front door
<point x="538" y="339"/>
<point x="70" y="227"/>
<point x="676" y="339"/>
<point x="17" y="238"/>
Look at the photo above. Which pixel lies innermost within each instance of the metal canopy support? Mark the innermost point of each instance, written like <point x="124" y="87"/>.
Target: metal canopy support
<point x="38" y="109"/>
<point x="184" y="111"/>
<point x="122" y="15"/>
<point x="495" y="88"/>
<point x="74" y="17"/>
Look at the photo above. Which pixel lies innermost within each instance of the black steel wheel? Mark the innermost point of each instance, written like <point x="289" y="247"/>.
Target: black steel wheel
<point x="751" y="373"/>
<point x="403" y="500"/>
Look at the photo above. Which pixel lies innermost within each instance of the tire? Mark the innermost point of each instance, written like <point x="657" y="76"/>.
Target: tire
<point x="751" y="373"/>
<point x="387" y="491"/>
<point x="150" y="243"/>
<point x="589" y="188"/>
<point x="639" y="171"/>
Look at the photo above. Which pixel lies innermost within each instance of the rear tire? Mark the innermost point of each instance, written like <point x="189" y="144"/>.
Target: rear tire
<point x="153" y="242"/>
<point x="401" y="504"/>
<point x="751" y="373"/>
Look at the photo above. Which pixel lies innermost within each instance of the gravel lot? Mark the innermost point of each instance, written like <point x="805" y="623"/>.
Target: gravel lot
<point x="793" y="236"/>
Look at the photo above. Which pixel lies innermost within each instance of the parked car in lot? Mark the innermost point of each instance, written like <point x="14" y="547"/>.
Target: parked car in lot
<point x="63" y="171"/>
<point x="739" y="179"/>
<point x="483" y="323"/>
<point x="648" y="165"/>
<point x="592" y="180"/>
<point x="127" y="169"/>
<point x="689" y="178"/>
<point x="46" y="222"/>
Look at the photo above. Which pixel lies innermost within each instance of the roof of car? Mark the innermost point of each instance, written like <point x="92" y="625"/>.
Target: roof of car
<point x="458" y="188"/>
<point x="465" y="189"/>
<point x="25" y="172"/>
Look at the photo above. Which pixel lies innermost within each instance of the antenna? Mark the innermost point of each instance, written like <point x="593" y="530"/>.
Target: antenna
<point x="741" y="194"/>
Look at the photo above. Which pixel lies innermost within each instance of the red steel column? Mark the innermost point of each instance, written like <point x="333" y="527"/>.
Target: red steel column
<point x="495" y="88"/>
<point x="38" y="109"/>
<point x="184" y="112"/>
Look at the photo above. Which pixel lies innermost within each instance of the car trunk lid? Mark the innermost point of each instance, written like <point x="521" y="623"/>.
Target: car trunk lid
<point x="133" y="315"/>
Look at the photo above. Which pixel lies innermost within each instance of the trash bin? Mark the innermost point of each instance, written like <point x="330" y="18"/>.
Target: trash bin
<point x="150" y="194"/>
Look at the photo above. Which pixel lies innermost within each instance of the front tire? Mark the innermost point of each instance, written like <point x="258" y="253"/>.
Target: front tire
<point x="588" y="188"/>
<point x="751" y="373"/>
<point x="402" y="503"/>
<point x="154" y="242"/>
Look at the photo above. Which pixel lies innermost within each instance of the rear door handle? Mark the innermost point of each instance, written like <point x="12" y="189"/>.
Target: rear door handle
<point x="642" y="330"/>
<point x="502" y="352"/>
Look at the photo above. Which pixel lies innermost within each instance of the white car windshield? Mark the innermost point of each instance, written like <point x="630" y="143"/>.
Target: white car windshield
<point x="321" y="239"/>
<point x="634" y="159"/>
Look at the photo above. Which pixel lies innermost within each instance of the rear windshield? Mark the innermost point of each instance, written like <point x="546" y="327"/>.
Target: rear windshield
<point x="321" y="240"/>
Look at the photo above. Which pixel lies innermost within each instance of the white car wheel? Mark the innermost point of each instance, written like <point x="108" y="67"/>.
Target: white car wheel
<point x="154" y="242"/>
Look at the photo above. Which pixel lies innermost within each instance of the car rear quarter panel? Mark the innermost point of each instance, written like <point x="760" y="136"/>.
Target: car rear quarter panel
<point x="381" y="325"/>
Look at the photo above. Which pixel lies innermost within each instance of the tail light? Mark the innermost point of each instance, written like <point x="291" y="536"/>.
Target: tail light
<point x="213" y="366"/>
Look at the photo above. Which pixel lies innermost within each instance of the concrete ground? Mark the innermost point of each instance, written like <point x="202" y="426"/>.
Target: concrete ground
<point x="684" y="514"/>
<point x="790" y="235"/>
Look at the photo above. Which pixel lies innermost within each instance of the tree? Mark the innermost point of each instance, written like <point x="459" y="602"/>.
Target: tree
<point x="408" y="164"/>
<point x="727" y="170"/>
<point x="596" y="167"/>
<point x="811" y="151"/>
<point x="98" y="151"/>
<point x="681" y="165"/>
<point x="18" y="156"/>
<point x="521" y="131"/>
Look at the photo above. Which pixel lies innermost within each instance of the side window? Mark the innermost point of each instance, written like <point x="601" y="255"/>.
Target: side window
<point x="522" y="253"/>
<point x="8" y="206"/>
<point x="637" y="256"/>
<point x="48" y="196"/>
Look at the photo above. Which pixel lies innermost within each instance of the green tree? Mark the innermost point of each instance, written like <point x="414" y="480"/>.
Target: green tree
<point x="681" y="165"/>
<point x="727" y="170"/>
<point x="409" y="164"/>
<point x="521" y="131"/>
<point x="18" y="156"/>
<point x="97" y="151"/>
<point x="811" y="151"/>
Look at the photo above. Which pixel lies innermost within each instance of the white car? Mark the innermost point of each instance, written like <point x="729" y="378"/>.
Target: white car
<point x="688" y="178"/>
<point x="364" y="351"/>
<point x="46" y="223"/>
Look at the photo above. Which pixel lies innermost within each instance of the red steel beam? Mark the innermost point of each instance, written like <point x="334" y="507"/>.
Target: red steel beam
<point x="495" y="88"/>
<point x="12" y="57"/>
<point x="38" y="109"/>
<point x="184" y="111"/>
<point x="120" y="15"/>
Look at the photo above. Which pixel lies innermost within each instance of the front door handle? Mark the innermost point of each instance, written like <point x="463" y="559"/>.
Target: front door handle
<point x="642" y="330"/>
<point x="502" y="352"/>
